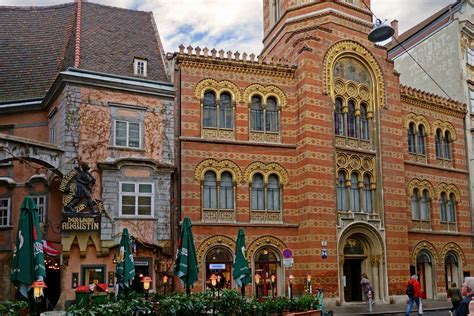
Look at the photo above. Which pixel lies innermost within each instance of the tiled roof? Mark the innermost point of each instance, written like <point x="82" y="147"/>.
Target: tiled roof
<point x="38" y="42"/>
<point x="32" y="44"/>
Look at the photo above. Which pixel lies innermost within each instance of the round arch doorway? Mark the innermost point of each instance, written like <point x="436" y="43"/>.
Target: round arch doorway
<point x="268" y="272"/>
<point x="361" y="250"/>
<point x="218" y="261"/>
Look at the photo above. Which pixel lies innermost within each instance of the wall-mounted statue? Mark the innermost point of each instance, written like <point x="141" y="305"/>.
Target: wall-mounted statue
<point x="77" y="187"/>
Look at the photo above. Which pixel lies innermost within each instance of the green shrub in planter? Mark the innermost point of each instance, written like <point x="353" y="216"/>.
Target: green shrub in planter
<point x="12" y="308"/>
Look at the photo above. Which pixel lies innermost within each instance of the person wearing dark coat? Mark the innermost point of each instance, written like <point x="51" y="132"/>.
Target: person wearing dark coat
<point x="467" y="290"/>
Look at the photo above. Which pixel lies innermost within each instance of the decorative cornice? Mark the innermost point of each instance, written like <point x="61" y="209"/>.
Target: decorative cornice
<point x="233" y="61"/>
<point x="432" y="101"/>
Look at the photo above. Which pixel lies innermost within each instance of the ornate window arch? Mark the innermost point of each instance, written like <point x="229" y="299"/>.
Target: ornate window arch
<point x="445" y="135"/>
<point x="218" y="180"/>
<point x="421" y="193"/>
<point x="418" y="129"/>
<point x="448" y="196"/>
<point x="218" y="101"/>
<point x="355" y="183"/>
<point x="266" y="183"/>
<point x="265" y="105"/>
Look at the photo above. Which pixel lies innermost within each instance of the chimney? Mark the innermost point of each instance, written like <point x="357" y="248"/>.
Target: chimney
<point x="394" y="25"/>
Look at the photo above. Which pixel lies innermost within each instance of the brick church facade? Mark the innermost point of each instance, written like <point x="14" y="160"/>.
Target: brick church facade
<point x="315" y="146"/>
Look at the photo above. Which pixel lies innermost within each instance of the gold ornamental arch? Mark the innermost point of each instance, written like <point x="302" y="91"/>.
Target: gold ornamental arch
<point x="354" y="50"/>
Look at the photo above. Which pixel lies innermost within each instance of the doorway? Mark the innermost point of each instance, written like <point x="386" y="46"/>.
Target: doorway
<point x="352" y="277"/>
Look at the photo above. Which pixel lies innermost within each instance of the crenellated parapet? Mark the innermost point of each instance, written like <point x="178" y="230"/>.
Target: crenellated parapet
<point x="213" y="58"/>
<point x="432" y="101"/>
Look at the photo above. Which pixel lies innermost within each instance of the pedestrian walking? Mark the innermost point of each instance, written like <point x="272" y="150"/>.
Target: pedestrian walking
<point x="413" y="291"/>
<point x="454" y="293"/>
<point x="367" y="290"/>
<point x="467" y="290"/>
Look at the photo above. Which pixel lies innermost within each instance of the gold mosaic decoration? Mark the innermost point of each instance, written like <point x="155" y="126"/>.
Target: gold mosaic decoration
<point x="444" y="126"/>
<point x="424" y="245"/>
<point x="214" y="241"/>
<point x="360" y="53"/>
<point x="449" y="188"/>
<point x="420" y="185"/>
<point x="453" y="247"/>
<point x="266" y="170"/>
<point x="265" y="241"/>
<point x="362" y="164"/>
<point x="218" y="87"/>
<point x="265" y="93"/>
<point x="218" y="167"/>
<point x="417" y="120"/>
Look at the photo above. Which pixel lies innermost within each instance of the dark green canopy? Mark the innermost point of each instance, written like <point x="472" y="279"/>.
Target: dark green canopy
<point x="185" y="265"/>
<point x="28" y="258"/>
<point x="125" y="268"/>
<point x="241" y="271"/>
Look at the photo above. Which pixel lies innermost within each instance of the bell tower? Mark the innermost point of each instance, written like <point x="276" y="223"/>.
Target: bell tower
<point x="286" y="21"/>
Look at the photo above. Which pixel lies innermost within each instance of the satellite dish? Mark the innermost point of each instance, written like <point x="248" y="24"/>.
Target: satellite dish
<point x="380" y="32"/>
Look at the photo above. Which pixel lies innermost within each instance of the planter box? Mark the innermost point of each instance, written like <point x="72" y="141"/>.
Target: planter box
<point x="307" y="313"/>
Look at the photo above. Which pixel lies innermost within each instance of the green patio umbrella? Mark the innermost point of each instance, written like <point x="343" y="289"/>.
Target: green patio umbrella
<point x="241" y="271"/>
<point x="125" y="267"/>
<point x="28" y="258"/>
<point x="185" y="265"/>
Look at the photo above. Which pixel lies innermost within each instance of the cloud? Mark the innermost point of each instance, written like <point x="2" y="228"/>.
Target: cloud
<point x="236" y="25"/>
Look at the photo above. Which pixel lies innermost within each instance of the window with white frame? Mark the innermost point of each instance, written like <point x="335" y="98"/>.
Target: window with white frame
<point x="136" y="199"/>
<point x="4" y="212"/>
<point x="470" y="56"/>
<point x="127" y="134"/>
<point x="40" y="202"/>
<point x="140" y="67"/>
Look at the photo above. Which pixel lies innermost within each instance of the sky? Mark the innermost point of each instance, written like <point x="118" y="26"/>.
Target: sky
<point x="236" y="25"/>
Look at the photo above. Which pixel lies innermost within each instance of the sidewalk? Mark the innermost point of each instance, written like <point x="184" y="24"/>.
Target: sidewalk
<point x="430" y="307"/>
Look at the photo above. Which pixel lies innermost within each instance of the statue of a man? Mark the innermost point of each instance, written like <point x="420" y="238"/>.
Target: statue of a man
<point x="84" y="184"/>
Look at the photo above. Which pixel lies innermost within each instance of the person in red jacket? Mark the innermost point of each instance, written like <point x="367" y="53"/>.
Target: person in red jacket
<point x="413" y="292"/>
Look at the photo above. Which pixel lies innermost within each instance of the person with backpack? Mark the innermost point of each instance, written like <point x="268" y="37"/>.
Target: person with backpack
<point x="467" y="290"/>
<point x="413" y="291"/>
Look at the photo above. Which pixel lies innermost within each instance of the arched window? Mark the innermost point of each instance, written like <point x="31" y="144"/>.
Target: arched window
<point x="210" y="191"/>
<point x="411" y="138"/>
<point x="225" y="111"/>
<point x="256" y="114"/>
<point x="258" y="192"/>
<point x="421" y="139"/>
<point x="355" y="194"/>
<point x="226" y="194"/>
<point x="452" y="208"/>
<point x="415" y="204"/>
<point x="447" y="145"/>
<point x="341" y="192"/>
<point x="209" y="108"/>
<point x="219" y="262"/>
<point x="351" y="120"/>
<point x="364" y="123"/>
<point x="439" y="144"/>
<point x="443" y="201"/>
<point x="271" y="115"/>
<point x="366" y="195"/>
<point x="273" y="193"/>
<point x="425" y="206"/>
<point x="339" y="118"/>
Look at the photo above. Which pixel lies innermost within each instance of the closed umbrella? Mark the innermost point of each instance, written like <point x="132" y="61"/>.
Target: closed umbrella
<point x="125" y="268"/>
<point x="241" y="271"/>
<point x="185" y="265"/>
<point x="28" y="258"/>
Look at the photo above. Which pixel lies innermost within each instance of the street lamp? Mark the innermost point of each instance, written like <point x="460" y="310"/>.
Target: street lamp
<point x="38" y="287"/>
<point x="213" y="279"/>
<point x="146" y="280"/>
<point x="257" y="282"/>
<point x="291" y="279"/>
<point x="308" y="283"/>
<point x="165" y="282"/>
<point x="272" y="282"/>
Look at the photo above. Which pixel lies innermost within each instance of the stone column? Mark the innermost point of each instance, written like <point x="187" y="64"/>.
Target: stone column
<point x="374" y="262"/>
